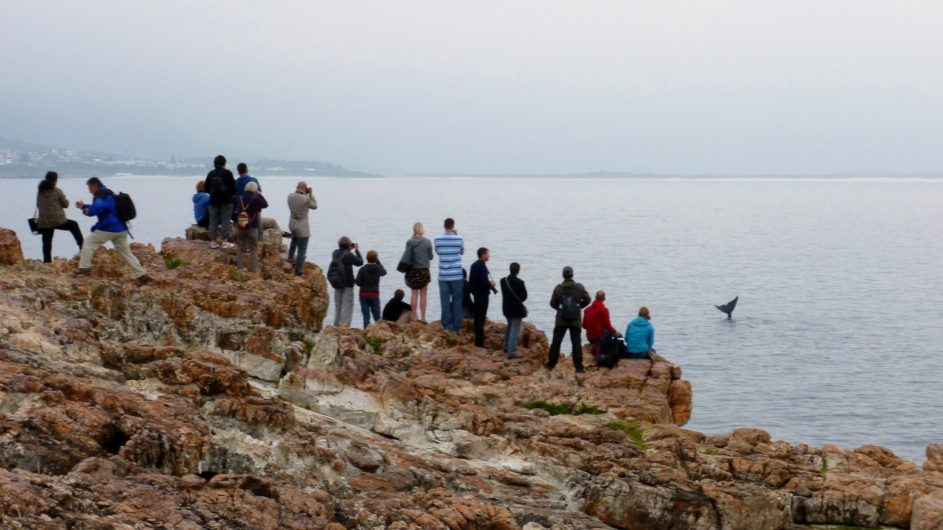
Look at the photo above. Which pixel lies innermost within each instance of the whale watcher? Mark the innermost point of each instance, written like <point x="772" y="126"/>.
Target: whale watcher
<point x="110" y="227"/>
<point x="416" y="259"/>
<point x="481" y="284"/>
<point x="201" y="205"/>
<point x="450" y="246"/>
<point x="51" y="203"/>
<point x="368" y="279"/>
<point x="250" y="204"/>
<point x="569" y="299"/>
<point x="300" y="203"/>
<point x="340" y="274"/>
<point x="396" y="310"/>
<point x="513" y="296"/>
<point x="221" y="186"/>
<point x="640" y="335"/>
<point x="597" y="322"/>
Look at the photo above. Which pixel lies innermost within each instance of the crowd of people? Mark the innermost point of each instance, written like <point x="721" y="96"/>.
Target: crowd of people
<point x="222" y="202"/>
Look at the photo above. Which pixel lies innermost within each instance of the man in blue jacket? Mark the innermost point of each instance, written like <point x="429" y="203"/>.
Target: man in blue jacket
<point x="108" y="228"/>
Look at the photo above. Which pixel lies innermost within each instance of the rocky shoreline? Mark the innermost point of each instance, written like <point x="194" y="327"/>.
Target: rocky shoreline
<point x="213" y="398"/>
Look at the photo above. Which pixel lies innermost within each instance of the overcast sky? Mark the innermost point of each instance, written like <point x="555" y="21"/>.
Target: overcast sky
<point x="541" y="86"/>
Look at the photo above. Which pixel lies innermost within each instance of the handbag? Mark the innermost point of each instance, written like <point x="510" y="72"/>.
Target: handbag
<point x="507" y="284"/>
<point x="406" y="262"/>
<point x="34" y="223"/>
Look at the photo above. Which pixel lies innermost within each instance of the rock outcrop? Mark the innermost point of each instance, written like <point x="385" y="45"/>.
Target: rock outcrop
<point x="212" y="398"/>
<point x="11" y="253"/>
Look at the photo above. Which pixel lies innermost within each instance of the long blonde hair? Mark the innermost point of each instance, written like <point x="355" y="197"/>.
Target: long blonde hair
<point x="418" y="230"/>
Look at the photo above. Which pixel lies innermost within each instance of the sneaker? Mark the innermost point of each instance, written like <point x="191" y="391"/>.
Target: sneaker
<point x="227" y="244"/>
<point x="143" y="280"/>
<point x="82" y="272"/>
<point x="214" y="245"/>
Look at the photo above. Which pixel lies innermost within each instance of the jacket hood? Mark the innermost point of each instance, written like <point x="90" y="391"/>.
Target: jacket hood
<point x="640" y="322"/>
<point x="415" y="241"/>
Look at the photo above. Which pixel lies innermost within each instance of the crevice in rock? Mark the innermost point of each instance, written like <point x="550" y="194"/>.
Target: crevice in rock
<point x="115" y="441"/>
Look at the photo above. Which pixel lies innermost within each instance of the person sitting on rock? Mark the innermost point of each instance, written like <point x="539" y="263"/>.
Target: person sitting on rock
<point x="50" y="214"/>
<point x="596" y="320"/>
<point x="396" y="310"/>
<point x="568" y="299"/>
<point x="368" y="279"/>
<point x="640" y="335"/>
<point x="300" y="202"/>
<point x="346" y="257"/>
<point x="108" y="228"/>
<point x="201" y="205"/>
<point x="247" y="226"/>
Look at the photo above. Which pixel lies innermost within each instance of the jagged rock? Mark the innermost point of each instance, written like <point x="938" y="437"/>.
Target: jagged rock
<point x="10" y="251"/>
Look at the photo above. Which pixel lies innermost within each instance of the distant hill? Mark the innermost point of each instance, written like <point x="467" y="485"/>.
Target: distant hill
<point x="24" y="160"/>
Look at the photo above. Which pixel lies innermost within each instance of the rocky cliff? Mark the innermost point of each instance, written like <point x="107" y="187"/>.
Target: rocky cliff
<point x="212" y="398"/>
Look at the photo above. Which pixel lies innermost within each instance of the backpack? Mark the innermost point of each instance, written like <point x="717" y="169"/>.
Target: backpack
<point x="243" y="219"/>
<point x="611" y="349"/>
<point x="335" y="271"/>
<point x="214" y="184"/>
<point x="570" y="304"/>
<point x="124" y="207"/>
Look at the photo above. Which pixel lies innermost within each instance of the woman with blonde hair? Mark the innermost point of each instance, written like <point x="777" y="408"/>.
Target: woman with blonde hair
<point x="415" y="263"/>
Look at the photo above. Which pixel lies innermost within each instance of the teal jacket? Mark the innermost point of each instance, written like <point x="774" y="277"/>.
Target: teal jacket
<point x="640" y="336"/>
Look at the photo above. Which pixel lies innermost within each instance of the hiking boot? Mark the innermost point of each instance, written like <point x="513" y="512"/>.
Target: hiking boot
<point x="580" y="371"/>
<point x="82" y="272"/>
<point x="144" y="280"/>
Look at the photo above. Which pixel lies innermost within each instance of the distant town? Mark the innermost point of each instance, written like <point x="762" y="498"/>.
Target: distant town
<point x="23" y="160"/>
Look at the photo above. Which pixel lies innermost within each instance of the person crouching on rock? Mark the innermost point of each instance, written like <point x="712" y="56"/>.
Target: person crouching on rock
<point x="340" y="274"/>
<point x="201" y="205"/>
<point x="640" y="335"/>
<point x="50" y="207"/>
<point x="108" y="228"/>
<point x="396" y="310"/>
<point x="368" y="279"/>
<point x="569" y="298"/>
<point x="250" y="206"/>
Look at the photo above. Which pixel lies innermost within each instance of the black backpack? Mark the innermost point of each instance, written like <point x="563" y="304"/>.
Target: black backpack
<point x="611" y="349"/>
<point x="215" y="185"/>
<point x="335" y="271"/>
<point x="570" y="304"/>
<point x="124" y="207"/>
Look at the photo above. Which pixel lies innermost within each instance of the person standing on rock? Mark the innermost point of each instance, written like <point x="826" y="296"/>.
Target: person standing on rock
<point x="108" y="228"/>
<point x="50" y="214"/>
<point x="640" y="335"/>
<point x="513" y="296"/>
<point x="340" y="274"/>
<point x="479" y="279"/>
<point x="396" y="310"/>
<point x="221" y="186"/>
<point x="244" y="178"/>
<point x="251" y="204"/>
<point x="368" y="279"/>
<point x="300" y="203"/>
<point x="417" y="256"/>
<point x="450" y="246"/>
<point x="201" y="205"/>
<point x="569" y="298"/>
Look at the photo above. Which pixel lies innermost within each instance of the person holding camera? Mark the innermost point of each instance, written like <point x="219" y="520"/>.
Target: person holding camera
<point x="300" y="202"/>
<point x="481" y="285"/>
<point x="340" y="274"/>
<point x="450" y="246"/>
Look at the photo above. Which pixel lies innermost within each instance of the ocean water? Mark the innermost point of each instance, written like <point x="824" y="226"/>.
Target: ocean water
<point x="838" y="336"/>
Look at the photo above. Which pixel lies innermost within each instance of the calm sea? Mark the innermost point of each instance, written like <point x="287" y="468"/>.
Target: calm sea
<point x="837" y="337"/>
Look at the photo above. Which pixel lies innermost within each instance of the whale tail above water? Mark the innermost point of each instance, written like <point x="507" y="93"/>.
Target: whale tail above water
<point x="728" y="307"/>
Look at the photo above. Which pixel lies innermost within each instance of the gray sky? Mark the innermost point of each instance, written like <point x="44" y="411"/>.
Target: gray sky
<point x="540" y="86"/>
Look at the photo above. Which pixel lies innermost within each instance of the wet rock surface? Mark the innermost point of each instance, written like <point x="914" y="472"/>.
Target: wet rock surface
<point x="212" y="398"/>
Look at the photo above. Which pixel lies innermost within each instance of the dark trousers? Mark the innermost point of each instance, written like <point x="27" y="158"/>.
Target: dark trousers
<point x="576" y="335"/>
<point x="481" y="314"/>
<point x="369" y="305"/>
<point x="47" y="234"/>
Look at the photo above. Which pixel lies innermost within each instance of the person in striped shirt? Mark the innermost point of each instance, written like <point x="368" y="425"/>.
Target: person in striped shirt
<point x="450" y="246"/>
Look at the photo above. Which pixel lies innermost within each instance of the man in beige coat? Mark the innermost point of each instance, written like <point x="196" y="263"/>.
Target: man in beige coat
<point x="300" y="202"/>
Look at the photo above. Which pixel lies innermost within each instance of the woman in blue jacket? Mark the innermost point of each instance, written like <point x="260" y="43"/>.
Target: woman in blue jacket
<point x="640" y="335"/>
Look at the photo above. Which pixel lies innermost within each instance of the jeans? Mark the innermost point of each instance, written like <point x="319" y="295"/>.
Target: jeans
<point x="299" y="245"/>
<point x="120" y="242"/>
<point x="450" y="296"/>
<point x="343" y="306"/>
<point x="47" y="234"/>
<point x="512" y="335"/>
<point x="576" y="336"/>
<point x="481" y="315"/>
<point x="248" y="240"/>
<point x="220" y="220"/>
<point x="370" y="305"/>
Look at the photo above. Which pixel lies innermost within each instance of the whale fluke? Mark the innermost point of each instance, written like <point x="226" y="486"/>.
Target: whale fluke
<point x="728" y="307"/>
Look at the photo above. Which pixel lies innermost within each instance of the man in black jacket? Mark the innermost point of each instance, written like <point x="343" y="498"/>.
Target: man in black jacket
<point x="569" y="299"/>
<point x="347" y="256"/>
<point x="481" y="285"/>
<point x="221" y="186"/>
<point x="514" y="294"/>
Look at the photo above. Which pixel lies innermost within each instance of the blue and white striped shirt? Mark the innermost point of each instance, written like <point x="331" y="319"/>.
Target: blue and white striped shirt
<point x="450" y="247"/>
